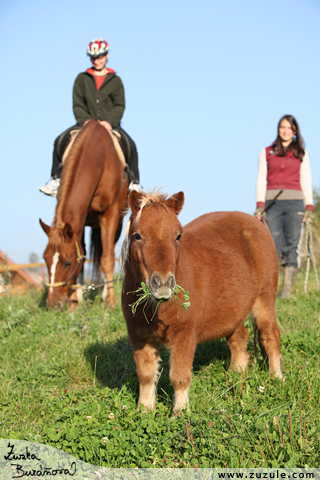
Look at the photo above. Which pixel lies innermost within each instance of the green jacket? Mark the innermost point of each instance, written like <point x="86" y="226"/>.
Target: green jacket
<point x="107" y="103"/>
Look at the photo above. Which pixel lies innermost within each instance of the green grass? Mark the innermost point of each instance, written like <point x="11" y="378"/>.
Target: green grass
<point x="68" y="380"/>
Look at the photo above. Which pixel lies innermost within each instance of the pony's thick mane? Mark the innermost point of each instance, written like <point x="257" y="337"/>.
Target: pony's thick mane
<point x="154" y="198"/>
<point x="68" y="174"/>
<point x="150" y="199"/>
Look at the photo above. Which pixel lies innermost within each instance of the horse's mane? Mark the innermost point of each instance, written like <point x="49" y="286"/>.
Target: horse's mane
<point x="68" y="173"/>
<point x="56" y="237"/>
<point x="154" y="198"/>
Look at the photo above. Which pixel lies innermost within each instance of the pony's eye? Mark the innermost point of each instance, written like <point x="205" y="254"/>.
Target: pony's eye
<point x="67" y="264"/>
<point x="136" y="236"/>
<point x="178" y="237"/>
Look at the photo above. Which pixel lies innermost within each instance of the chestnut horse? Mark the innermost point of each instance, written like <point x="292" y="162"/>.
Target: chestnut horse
<point x="90" y="193"/>
<point x="228" y="263"/>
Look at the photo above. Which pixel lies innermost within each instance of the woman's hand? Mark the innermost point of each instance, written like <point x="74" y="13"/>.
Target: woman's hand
<point x="106" y="125"/>
<point x="308" y="216"/>
<point x="260" y="213"/>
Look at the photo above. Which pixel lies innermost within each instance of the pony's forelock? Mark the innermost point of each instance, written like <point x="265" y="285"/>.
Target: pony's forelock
<point x="156" y="197"/>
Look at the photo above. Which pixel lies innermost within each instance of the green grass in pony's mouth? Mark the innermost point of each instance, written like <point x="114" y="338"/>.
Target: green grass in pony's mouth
<point x="144" y="294"/>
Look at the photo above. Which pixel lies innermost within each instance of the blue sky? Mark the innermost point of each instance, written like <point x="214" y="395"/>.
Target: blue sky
<point x="206" y="83"/>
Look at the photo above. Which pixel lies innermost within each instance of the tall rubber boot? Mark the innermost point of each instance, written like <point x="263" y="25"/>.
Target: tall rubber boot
<point x="289" y="278"/>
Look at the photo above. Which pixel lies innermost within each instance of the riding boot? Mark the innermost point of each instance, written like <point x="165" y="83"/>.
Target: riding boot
<point x="289" y="278"/>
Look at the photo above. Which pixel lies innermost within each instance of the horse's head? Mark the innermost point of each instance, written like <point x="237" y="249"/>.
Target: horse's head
<point x="154" y="237"/>
<point x="64" y="259"/>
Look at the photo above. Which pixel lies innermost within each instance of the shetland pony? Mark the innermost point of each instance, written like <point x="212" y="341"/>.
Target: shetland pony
<point x="228" y="263"/>
<point x="90" y="193"/>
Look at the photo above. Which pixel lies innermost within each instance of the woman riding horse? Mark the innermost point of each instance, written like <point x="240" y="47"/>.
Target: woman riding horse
<point x="97" y="93"/>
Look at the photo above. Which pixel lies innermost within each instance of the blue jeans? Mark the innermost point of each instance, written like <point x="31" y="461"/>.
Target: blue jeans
<point x="284" y="219"/>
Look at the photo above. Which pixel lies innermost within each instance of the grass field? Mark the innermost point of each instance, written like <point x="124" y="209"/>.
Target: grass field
<point x="68" y="380"/>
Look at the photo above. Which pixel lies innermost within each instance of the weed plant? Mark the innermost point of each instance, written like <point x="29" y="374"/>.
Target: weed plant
<point x="68" y="380"/>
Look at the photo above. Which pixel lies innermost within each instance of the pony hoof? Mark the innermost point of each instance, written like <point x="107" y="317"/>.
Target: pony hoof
<point x="143" y="409"/>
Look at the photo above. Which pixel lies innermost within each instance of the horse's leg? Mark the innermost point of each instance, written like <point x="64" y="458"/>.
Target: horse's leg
<point x="181" y="360"/>
<point x="147" y="360"/>
<point x="77" y="295"/>
<point x="266" y="321"/>
<point x="80" y="279"/>
<point x="237" y="342"/>
<point x="108" y="224"/>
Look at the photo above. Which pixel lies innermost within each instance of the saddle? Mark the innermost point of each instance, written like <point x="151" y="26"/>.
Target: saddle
<point x="118" y="143"/>
<point x="121" y="146"/>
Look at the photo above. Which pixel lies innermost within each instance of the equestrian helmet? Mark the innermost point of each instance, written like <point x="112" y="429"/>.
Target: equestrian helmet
<point x="97" y="47"/>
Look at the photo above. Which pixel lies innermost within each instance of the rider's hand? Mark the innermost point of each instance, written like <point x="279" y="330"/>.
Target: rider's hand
<point x="308" y="216"/>
<point x="106" y="125"/>
<point x="259" y="213"/>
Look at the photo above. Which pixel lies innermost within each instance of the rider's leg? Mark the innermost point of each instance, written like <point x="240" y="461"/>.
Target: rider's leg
<point x="60" y="143"/>
<point x="133" y="155"/>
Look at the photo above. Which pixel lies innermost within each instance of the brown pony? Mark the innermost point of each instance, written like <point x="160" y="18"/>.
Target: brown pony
<point x="228" y="263"/>
<point x="90" y="193"/>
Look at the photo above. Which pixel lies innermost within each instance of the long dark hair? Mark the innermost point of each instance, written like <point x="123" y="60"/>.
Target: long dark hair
<point x="296" y="146"/>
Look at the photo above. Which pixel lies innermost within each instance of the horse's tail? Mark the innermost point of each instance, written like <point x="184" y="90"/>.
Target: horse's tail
<point x="95" y="250"/>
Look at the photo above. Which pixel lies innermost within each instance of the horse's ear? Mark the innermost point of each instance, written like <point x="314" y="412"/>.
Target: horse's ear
<point x="135" y="200"/>
<point x="45" y="227"/>
<point x="67" y="231"/>
<point x="176" y="202"/>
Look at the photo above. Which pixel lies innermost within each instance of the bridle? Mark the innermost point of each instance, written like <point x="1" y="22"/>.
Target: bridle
<point x="80" y="257"/>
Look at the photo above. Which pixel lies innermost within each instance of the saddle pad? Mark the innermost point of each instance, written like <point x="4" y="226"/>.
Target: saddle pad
<point x="115" y="137"/>
<point x="73" y="136"/>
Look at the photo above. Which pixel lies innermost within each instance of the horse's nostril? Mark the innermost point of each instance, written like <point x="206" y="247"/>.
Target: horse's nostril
<point x="171" y="281"/>
<point x="58" y="305"/>
<point x="155" y="281"/>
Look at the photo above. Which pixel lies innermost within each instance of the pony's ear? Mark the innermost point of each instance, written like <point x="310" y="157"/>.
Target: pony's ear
<point x="135" y="200"/>
<point x="45" y="227"/>
<point x="67" y="231"/>
<point x="176" y="202"/>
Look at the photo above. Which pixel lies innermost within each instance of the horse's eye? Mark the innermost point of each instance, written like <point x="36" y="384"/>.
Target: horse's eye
<point x="136" y="236"/>
<point x="178" y="237"/>
<point x="67" y="264"/>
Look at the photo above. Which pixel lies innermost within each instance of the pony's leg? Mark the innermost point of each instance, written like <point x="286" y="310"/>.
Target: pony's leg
<point x="266" y="321"/>
<point x="108" y="224"/>
<point x="237" y="342"/>
<point x="147" y="364"/>
<point x="181" y="360"/>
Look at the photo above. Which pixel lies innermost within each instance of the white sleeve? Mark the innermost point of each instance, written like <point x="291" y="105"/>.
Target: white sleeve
<point x="261" y="187"/>
<point x="305" y="179"/>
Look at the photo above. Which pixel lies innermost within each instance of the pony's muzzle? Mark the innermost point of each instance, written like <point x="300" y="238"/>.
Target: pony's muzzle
<point x="161" y="286"/>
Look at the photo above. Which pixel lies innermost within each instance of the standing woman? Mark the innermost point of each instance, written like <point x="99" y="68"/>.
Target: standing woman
<point x="285" y="166"/>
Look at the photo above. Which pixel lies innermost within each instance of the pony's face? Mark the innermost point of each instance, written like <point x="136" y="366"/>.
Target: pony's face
<point x="154" y="237"/>
<point x="62" y="258"/>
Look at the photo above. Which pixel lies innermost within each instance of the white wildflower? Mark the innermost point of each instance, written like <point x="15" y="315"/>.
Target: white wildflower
<point x="261" y="389"/>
